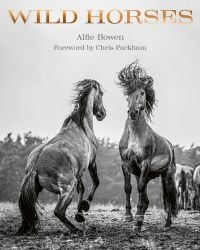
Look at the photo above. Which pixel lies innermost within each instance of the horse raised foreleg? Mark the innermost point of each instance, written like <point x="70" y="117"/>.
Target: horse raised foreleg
<point x="85" y="204"/>
<point x="142" y="206"/>
<point x="80" y="189"/>
<point x="127" y="189"/>
<point x="63" y="203"/>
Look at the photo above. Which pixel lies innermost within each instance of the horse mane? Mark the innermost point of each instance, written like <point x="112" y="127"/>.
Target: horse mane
<point x="133" y="77"/>
<point x="80" y="99"/>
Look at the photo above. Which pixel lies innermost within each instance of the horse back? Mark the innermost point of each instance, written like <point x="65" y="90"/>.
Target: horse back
<point x="33" y="158"/>
<point x="184" y="176"/>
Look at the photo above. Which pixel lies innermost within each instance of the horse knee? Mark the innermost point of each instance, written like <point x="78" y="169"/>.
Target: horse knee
<point x="141" y="187"/>
<point x="97" y="182"/>
<point x="146" y="204"/>
<point x="80" y="188"/>
<point x="128" y="188"/>
<point x="58" y="212"/>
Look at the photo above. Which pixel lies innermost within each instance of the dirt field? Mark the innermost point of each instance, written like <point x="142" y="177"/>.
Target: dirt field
<point x="104" y="229"/>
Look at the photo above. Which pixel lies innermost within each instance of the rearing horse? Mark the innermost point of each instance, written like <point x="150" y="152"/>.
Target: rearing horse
<point x="143" y="152"/>
<point x="59" y="164"/>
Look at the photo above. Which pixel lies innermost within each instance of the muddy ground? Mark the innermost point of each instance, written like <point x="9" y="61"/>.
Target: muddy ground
<point x="104" y="229"/>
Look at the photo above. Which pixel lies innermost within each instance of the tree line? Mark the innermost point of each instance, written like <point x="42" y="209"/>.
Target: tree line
<point x="14" y="153"/>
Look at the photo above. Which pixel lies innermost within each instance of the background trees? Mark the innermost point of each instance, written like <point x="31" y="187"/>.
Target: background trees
<point x="14" y="153"/>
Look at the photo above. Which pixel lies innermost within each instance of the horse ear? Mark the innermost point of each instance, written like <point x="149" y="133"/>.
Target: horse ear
<point x="95" y="85"/>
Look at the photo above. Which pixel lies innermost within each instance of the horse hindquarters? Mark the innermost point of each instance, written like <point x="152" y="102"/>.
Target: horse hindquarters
<point x="28" y="196"/>
<point x="64" y="185"/>
<point x="169" y="194"/>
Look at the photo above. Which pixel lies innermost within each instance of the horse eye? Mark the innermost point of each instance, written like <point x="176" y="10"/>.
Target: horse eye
<point x="142" y="92"/>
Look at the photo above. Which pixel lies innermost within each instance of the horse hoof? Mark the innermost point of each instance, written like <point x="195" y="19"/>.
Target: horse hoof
<point x="136" y="229"/>
<point x="79" y="217"/>
<point x="22" y="230"/>
<point x="34" y="230"/>
<point x="168" y="224"/>
<point x="128" y="218"/>
<point x="76" y="230"/>
<point x="85" y="205"/>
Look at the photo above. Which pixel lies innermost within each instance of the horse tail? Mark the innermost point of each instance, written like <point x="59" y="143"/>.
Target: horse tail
<point x="27" y="201"/>
<point x="30" y="189"/>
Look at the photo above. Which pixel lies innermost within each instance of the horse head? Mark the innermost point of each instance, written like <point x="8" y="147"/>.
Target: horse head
<point x="136" y="103"/>
<point x="91" y="88"/>
<point x="98" y="108"/>
<point x="138" y="86"/>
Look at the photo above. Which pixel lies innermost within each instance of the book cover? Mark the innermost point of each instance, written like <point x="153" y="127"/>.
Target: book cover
<point x="54" y="55"/>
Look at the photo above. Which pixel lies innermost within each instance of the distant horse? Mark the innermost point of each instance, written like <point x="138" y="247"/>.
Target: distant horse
<point x="144" y="153"/>
<point x="184" y="186"/>
<point x="59" y="164"/>
<point x="196" y="180"/>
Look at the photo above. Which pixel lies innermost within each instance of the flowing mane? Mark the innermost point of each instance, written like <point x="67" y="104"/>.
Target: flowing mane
<point x="133" y="77"/>
<point x="81" y="90"/>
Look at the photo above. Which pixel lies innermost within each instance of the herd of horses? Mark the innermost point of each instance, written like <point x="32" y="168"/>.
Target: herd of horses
<point x="59" y="164"/>
<point x="187" y="181"/>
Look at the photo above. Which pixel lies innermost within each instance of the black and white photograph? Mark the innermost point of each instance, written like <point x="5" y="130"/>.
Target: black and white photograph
<point x="99" y="124"/>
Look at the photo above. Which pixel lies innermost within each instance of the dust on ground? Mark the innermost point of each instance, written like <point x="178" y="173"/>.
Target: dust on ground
<point x="104" y="228"/>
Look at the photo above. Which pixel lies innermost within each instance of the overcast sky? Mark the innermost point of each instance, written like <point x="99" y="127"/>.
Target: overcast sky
<point x="36" y="81"/>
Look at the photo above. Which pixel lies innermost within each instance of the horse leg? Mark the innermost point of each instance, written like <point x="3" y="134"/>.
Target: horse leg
<point x="198" y="197"/>
<point x="192" y="198"/>
<point x="178" y="197"/>
<point x="80" y="189"/>
<point x="143" y="176"/>
<point x="169" y="195"/>
<point x="85" y="204"/>
<point x="142" y="206"/>
<point x="64" y="201"/>
<point x="166" y="203"/>
<point x="182" y="198"/>
<point x="128" y="189"/>
<point x="185" y="200"/>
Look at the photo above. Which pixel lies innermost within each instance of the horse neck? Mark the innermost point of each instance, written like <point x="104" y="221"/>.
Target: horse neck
<point x="139" y="125"/>
<point x="88" y="117"/>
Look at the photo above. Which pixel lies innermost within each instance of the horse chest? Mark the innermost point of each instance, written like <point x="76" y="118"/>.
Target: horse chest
<point x="135" y="146"/>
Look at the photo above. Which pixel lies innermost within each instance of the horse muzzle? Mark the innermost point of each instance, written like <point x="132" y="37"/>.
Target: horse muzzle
<point x="101" y="114"/>
<point x="133" y="115"/>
